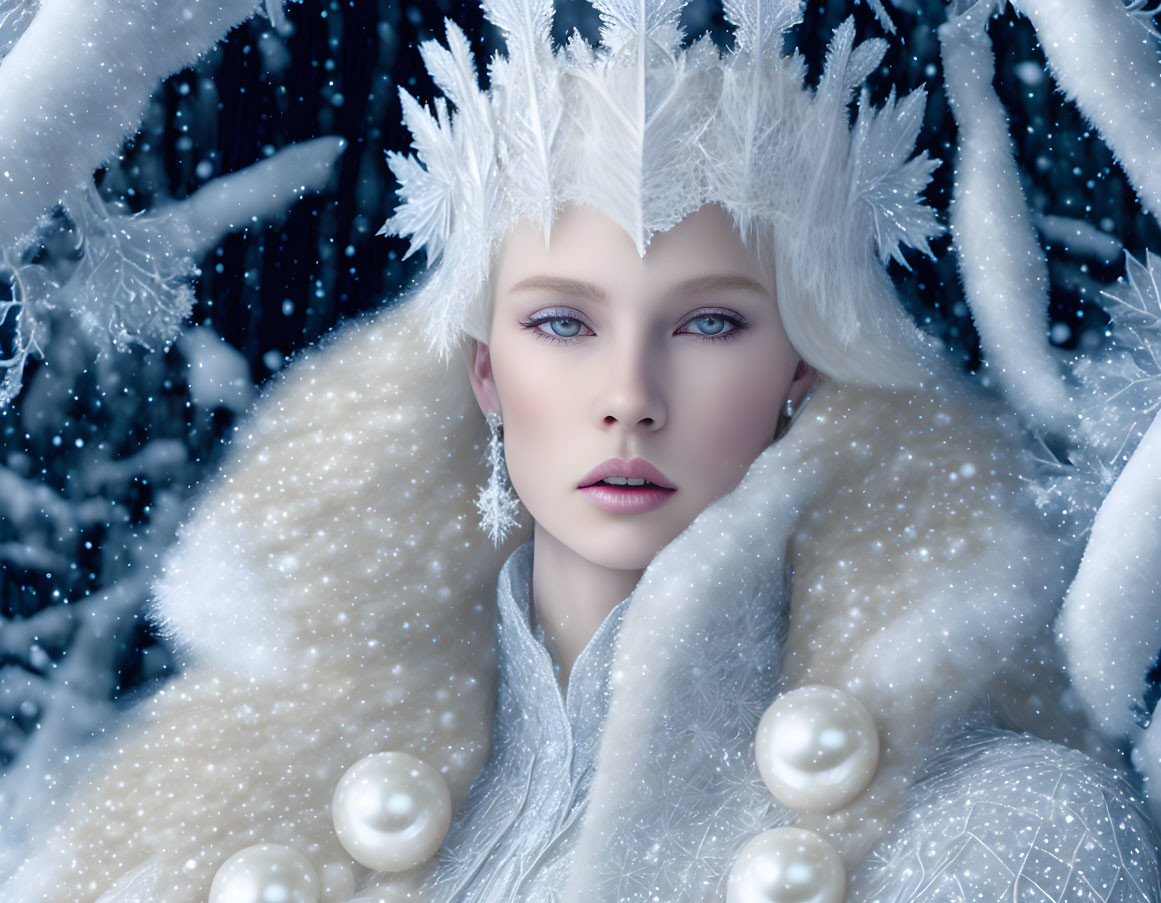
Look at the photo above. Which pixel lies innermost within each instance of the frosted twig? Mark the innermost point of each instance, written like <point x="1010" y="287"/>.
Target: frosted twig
<point x="1145" y="14"/>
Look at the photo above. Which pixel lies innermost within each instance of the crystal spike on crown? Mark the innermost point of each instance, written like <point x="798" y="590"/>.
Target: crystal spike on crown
<point x="648" y="131"/>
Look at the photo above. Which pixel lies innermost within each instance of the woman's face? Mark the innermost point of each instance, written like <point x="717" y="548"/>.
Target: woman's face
<point x="677" y="359"/>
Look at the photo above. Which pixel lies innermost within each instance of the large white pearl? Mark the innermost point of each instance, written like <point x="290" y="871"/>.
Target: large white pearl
<point x="265" y="873"/>
<point x="817" y="748"/>
<point x="787" y="865"/>
<point x="391" y="811"/>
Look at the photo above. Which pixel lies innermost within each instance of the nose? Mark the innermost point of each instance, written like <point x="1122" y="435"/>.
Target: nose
<point x="631" y="389"/>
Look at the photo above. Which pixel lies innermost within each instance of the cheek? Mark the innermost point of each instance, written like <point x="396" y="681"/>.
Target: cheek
<point x="538" y="404"/>
<point x="732" y="412"/>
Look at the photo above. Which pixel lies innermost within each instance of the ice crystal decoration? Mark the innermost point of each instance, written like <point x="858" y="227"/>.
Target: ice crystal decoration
<point x="1145" y="11"/>
<point x="426" y="214"/>
<point x="1125" y="385"/>
<point x="25" y="282"/>
<point x="891" y="184"/>
<point x="497" y="504"/>
<point x="647" y="131"/>
<point x="127" y="279"/>
<point x="1117" y="397"/>
<point x="134" y="278"/>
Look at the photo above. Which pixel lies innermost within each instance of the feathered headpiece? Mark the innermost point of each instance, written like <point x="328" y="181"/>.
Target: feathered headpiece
<point x="648" y="131"/>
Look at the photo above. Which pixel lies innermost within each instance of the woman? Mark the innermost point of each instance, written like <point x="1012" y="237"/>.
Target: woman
<point x="884" y="547"/>
<point x="692" y="417"/>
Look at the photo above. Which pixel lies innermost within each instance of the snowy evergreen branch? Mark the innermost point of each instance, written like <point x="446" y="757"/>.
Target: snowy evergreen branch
<point x="133" y="281"/>
<point x="1111" y="647"/>
<point x="1096" y="55"/>
<point x="77" y="68"/>
<point x="72" y="700"/>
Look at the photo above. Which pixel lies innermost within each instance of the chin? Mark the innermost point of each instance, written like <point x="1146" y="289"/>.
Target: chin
<point x="621" y="558"/>
<point x="627" y="543"/>
<point x="629" y="548"/>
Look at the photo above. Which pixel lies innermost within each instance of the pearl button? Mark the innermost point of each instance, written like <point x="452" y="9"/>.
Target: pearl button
<point x="817" y="748"/>
<point x="265" y="873"/>
<point x="787" y="865"/>
<point x="391" y="811"/>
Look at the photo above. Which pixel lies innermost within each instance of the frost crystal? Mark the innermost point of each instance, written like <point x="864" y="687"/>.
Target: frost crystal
<point x="134" y="280"/>
<point x="496" y="503"/>
<point x="1124" y="387"/>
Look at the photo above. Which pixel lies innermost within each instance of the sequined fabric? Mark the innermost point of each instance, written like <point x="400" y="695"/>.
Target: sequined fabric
<point x="1002" y="817"/>
<point x="1009" y="817"/>
<point x="513" y="836"/>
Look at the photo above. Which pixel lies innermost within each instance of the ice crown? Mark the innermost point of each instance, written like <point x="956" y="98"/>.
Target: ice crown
<point x="649" y="130"/>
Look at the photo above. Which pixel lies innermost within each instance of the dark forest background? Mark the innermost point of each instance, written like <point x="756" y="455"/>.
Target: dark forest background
<point x="101" y="455"/>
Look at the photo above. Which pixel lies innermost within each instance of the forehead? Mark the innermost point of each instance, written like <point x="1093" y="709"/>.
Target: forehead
<point x="587" y="245"/>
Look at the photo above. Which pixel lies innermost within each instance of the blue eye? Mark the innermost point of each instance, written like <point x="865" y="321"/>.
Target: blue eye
<point x="712" y="324"/>
<point x="557" y="326"/>
<point x="715" y="326"/>
<point x="562" y="327"/>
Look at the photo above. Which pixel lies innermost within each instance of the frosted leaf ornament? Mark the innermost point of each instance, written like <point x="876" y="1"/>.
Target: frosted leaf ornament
<point x="391" y="811"/>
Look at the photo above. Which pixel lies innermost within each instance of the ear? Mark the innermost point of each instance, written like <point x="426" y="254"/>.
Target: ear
<point x="480" y="374"/>
<point x="804" y="378"/>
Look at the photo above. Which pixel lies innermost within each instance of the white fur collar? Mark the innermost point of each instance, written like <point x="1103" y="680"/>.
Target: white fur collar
<point x="335" y="597"/>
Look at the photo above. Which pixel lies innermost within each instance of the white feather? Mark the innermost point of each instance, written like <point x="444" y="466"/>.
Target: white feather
<point x="1110" y="68"/>
<point x="1109" y="625"/>
<point x="1002" y="266"/>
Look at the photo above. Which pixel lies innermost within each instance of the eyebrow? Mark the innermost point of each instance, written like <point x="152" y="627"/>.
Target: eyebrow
<point x="698" y="285"/>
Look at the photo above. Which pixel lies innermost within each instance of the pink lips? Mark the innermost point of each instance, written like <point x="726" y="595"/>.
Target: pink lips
<point x="626" y="499"/>
<point x="637" y="469"/>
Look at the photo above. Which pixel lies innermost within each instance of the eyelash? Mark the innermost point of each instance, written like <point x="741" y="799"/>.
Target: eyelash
<point x="533" y="323"/>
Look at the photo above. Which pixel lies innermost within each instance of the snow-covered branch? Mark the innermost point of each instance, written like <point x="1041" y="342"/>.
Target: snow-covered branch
<point x="1109" y="65"/>
<point x="73" y="86"/>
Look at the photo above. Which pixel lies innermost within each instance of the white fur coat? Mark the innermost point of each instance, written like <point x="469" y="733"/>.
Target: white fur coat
<point x="334" y="597"/>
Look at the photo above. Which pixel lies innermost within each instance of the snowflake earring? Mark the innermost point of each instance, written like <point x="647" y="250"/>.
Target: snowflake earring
<point x="496" y="503"/>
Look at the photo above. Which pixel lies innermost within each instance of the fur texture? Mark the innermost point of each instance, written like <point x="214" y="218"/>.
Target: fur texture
<point x="316" y="622"/>
<point x="335" y="597"/>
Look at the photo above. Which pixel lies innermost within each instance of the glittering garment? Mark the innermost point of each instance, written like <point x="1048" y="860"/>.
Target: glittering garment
<point x="1002" y="816"/>
<point x="516" y="833"/>
<point x="1010" y="817"/>
<point x="887" y="539"/>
